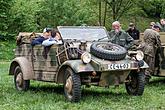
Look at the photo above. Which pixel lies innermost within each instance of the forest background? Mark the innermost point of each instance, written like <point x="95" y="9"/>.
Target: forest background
<point x="34" y="15"/>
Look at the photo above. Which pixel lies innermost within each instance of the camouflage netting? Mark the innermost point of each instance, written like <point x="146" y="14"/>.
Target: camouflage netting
<point x="26" y="38"/>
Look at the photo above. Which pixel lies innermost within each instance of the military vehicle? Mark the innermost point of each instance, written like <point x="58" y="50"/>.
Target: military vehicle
<point x="85" y="58"/>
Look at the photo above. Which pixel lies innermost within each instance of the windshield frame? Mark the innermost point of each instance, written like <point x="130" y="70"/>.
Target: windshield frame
<point x="84" y="28"/>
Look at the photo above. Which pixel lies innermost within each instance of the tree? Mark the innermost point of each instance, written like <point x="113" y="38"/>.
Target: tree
<point x="4" y="15"/>
<point x="119" y="7"/>
<point x="23" y="16"/>
<point x="153" y="8"/>
<point x="65" y="12"/>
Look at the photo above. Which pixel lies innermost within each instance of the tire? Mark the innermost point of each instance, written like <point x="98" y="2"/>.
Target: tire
<point x="72" y="86"/>
<point x="108" y="51"/>
<point x="20" y="83"/>
<point x="136" y="83"/>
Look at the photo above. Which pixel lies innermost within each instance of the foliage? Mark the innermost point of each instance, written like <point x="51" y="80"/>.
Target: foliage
<point x="34" y="15"/>
<point x="6" y="53"/>
<point x="4" y="15"/>
<point x="119" y="7"/>
<point x="23" y="16"/>
<point x="64" y="12"/>
<point x="49" y="96"/>
<point x="153" y="8"/>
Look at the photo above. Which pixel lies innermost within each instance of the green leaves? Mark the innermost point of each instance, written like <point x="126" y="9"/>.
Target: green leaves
<point x="34" y="15"/>
<point x="153" y="8"/>
<point x="66" y="12"/>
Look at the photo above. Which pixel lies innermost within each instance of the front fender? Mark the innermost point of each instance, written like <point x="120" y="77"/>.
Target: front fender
<point x="78" y="66"/>
<point x="26" y="67"/>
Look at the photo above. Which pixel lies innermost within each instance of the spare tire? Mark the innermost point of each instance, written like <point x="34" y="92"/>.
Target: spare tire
<point x="108" y="51"/>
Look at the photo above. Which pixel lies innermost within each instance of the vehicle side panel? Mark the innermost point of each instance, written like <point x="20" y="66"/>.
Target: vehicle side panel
<point x="45" y="62"/>
<point x="24" y="50"/>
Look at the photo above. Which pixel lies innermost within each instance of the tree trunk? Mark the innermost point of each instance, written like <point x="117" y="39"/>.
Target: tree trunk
<point x="105" y="12"/>
<point x="100" y="12"/>
<point x="113" y="10"/>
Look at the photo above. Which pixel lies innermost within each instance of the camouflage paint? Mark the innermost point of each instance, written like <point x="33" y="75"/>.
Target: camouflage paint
<point x="47" y="62"/>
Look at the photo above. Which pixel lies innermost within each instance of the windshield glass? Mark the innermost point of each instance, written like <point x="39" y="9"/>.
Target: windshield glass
<point x="82" y="33"/>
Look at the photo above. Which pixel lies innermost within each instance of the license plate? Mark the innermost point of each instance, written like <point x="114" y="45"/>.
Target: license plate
<point x="119" y="66"/>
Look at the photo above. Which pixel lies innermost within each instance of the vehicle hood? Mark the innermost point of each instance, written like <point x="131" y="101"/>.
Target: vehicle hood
<point x="107" y="65"/>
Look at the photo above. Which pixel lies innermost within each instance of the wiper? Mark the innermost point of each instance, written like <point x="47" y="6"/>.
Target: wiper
<point x="102" y="38"/>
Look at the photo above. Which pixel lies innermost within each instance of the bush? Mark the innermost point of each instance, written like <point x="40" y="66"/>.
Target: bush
<point x="6" y="48"/>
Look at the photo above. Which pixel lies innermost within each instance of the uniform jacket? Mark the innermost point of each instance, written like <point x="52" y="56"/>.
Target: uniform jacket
<point x="162" y="28"/>
<point x="121" y="38"/>
<point x="134" y="33"/>
<point x="151" y="42"/>
<point x="38" y="41"/>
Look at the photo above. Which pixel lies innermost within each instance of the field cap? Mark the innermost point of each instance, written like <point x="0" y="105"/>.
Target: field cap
<point x="156" y="27"/>
<point x="47" y="30"/>
<point x="131" y="24"/>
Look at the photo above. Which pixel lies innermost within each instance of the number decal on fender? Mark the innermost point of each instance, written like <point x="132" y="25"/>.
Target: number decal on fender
<point x="119" y="66"/>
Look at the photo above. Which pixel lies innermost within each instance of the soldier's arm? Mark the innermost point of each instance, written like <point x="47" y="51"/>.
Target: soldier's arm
<point x="160" y="48"/>
<point x="111" y="36"/>
<point x="138" y="34"/>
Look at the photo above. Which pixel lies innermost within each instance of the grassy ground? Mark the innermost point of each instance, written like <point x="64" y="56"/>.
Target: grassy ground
<point x="49" y="96"/>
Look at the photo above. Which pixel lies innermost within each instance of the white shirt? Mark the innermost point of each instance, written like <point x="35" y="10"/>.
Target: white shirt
<point x="51" y="41"/>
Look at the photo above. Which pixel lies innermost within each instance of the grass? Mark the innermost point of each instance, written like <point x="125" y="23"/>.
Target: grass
<point x="49" y="96"/>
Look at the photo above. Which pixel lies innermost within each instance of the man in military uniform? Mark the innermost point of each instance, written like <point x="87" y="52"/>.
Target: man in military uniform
<point x="149" y="47"/>
<point x="119" y="36"/>
<point x="133" y="31"/>
<point x="159" y="52"/>
<point x="161" y="25"/>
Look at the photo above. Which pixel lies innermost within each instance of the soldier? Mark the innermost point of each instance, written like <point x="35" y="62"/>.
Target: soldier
<point x="152" y="24"/>
<point x="119" y="36"/>
<point x="133" y="32"/>
<point x="159" y="51"/>
<point x="149" y="47"/>
<point x="161" y="25"/>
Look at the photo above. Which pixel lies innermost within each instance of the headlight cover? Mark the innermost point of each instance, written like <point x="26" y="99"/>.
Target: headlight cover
<point x="86" y="57"/>
<point x="139" y="55"/>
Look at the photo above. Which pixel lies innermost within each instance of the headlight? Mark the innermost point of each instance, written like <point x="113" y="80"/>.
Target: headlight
<point x="86" y="57"/>
<point x="139" y="55"/>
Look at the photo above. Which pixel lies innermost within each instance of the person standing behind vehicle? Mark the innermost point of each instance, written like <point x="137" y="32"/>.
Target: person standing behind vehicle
<point x="133" y="32"/>
<point x="39" y="40"/>
<point x="119" y="36"/>
<point x="54" y="39"/>
<point x="160" y="50"/>
<point x="152" y="24"/>
<point x="149" y="47"/>
<point x="161" y="25"/>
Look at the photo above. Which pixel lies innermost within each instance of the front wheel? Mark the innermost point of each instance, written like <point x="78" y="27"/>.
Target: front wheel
<point x="135" y="83"/>
<point x="20" y="83"/>
<point x="72" y="85"/>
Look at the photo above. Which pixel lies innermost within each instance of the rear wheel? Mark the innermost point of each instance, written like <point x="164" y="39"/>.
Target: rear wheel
<point x="72" y="86"/>
<point x="20" y="83"/>
<point x="136" y="83"/>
